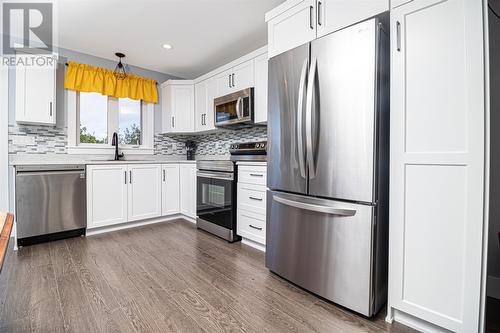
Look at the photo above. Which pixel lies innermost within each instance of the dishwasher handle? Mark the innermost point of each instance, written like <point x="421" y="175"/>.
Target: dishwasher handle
<point x="43" y="173"/>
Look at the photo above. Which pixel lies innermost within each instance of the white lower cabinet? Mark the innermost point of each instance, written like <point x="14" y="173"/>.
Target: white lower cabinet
<point x="122" y="193"/>
<point x="144" y="192"/>
<point x="170" y="189"/>
<point x="251" y="203"/>
<point x="107" y="200"/>
<point x="188" y="190"/>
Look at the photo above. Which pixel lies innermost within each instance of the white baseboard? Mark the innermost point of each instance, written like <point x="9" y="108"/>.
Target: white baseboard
<point x="416" y="323"/>
<point x="253" y="244"/>
<point x="493" y="287"/>
<point x="97" y="231"/>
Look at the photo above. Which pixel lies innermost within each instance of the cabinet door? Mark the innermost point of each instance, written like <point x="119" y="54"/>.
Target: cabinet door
<point x="224" y="83"/>
<point x="106" y="195"/>
<point x="166" y="109"/>
<point x="260" y="103"/>
<point x="437" y="162"/>
<point x="188" y="190"/>
<point x="170" y="189"/>
<point x="200" y="106"/>
<point x="211" y="95"/>
<point x="35" y="95"/>
<point x="292" y="28"/>
<point x="243" y="76"/>
<point x="337" y="14"/>
<point x="144" y="193"/>
<point x="182" y="108"/>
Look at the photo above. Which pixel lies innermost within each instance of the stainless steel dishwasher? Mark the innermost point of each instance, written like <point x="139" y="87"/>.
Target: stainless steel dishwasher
<point x="50" y="202"/>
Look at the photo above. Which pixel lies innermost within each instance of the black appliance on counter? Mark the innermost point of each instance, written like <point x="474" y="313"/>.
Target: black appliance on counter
<point x="190" y="150"/>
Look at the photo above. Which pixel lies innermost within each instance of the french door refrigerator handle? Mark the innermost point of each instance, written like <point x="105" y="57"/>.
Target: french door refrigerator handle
<point x="300" y="110"/>
<point x="315" y="208"/>
<point x="309" y="101"/>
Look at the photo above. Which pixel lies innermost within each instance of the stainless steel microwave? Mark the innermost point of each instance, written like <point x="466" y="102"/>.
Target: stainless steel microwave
<point x="235" y="110"/>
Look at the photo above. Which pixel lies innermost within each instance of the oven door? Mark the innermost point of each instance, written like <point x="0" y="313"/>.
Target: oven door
<point x="234" y="109"/>
<point x="214" y="201"/>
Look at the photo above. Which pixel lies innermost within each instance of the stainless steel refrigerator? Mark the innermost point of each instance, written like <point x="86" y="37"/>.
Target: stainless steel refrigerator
<point x="328" y="154"/>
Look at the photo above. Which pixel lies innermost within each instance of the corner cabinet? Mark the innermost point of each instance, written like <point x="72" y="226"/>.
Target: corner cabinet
<point x="36" y="94"/>
<point x="188" y="190"/>
<point x="437" y="164"/>
<point x="178" y="106"/>
<point x="261" y="77"/>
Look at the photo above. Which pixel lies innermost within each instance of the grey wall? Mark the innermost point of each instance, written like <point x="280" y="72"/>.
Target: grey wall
<point x="494" y="213"/>
<point x="68" y="55"/>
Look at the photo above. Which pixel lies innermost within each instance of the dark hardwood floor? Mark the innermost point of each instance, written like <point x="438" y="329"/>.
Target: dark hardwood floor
<point x="167" y="277"/>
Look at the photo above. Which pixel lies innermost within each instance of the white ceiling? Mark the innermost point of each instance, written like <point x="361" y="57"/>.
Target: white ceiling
<point x="205" y="34"/>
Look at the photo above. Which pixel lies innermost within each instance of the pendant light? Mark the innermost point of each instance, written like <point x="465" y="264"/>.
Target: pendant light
<point x="120" y="70"/>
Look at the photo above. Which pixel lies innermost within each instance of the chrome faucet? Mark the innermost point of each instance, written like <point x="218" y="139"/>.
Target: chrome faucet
<point x="114" y="143"/>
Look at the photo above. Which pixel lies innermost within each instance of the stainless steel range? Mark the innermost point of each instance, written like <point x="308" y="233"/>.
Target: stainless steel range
<point x="216" y="199"/>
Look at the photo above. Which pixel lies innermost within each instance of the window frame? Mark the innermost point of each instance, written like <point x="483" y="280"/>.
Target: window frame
<point x="74" y="145"/>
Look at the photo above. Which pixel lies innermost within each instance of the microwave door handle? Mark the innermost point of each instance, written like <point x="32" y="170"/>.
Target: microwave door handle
<point x="238" y="110"/>
<point x="300" y="111"/>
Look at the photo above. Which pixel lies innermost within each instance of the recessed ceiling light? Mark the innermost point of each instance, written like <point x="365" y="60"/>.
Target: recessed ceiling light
<point x="167" y="46"/>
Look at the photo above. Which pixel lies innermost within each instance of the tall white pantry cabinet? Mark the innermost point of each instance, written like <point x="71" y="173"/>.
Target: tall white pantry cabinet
<point x="437" y="164"/>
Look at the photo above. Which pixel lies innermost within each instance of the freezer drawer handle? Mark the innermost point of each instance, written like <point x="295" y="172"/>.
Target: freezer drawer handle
<point x="316" y="208"/>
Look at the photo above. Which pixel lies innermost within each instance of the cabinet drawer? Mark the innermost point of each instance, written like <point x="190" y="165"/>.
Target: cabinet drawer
<point x="251" y="226"/>
<point x="252" y="198"/>
<point x="255" y="175"/>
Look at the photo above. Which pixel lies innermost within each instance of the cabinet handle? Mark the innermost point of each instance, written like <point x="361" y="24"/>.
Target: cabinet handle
<point x="229" y="82"/>
<point x="256" y="175"/>
<point x="233" y="80"/>
<point x="254" y="227"/>
<point x="320" y="5"/>
<point x="311" y="13"/>
<point x="398" y="36"/>
<point x="173" y="121"/>
<point x="50" y="108"/>
<point x="163" y="175"/>
<point x="130" y="177"/>
<point x="125" y="172"/>
<point x="254" y="198"/>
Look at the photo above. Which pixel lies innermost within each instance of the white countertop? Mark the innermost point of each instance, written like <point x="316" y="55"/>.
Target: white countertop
<point x="97" y="162"/>
<point x="252" y="163"/>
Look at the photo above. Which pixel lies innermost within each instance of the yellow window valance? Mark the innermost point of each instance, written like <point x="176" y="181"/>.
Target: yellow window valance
<point x="85" y="78"/>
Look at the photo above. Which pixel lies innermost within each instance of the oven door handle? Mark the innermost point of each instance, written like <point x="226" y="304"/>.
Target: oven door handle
<point x="216" y="175"/>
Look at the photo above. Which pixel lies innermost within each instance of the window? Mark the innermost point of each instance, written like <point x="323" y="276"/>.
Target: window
<point x="93" y="118"/>
<point x="129" y="122"/>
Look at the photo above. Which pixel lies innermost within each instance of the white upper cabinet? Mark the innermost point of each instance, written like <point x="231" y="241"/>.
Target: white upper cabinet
<point x="200" y="105"/>
<point x="337" y="14"/>
<point x="170" y="189"/>
<point x="237" y="78"/>
<point x="210" y="111"/>
<point x="291" y="24"/>
<point x="36" y="95"/>
<point x="178" y="106"/>
<point x="437" y="163"/>
<point x="260" y="102"/>
<point x="144" y="192"/>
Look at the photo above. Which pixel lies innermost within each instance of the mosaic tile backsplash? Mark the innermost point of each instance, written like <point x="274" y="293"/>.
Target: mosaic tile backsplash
<point x="30" y="139"/>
